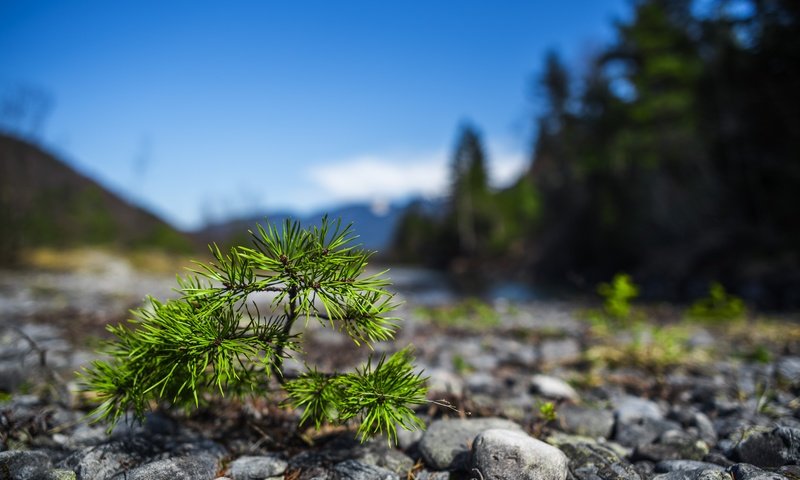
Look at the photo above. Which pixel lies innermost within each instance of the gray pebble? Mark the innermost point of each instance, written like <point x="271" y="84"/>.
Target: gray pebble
<point x="696" y="474"/>
<point x="744" y="471"/>
<point x="500" y="454"/>
<point x="177" y="468"/>
<point x="673" y="465"/>
<point x="642" y="431"/>
<point x="446" y="443"/>
<point x="787" y="369"/>
<point x="590" y="460"/>
<point x="23" y="464"/>
<point x="559" y="350"/>
<point x="770" y="449"/>
<point x="258" y="467"/>
<point x="355" y="470"/>
<point x="584" y="421"/>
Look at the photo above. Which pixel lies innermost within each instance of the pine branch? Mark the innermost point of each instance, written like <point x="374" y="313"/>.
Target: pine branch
<point x="210" y="341"/>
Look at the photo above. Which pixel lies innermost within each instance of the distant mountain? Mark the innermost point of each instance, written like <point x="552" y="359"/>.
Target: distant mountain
<point x="374" y="224"/>
<point x="45" y="202"/>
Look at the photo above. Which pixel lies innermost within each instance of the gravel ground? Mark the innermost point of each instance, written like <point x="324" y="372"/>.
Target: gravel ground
<point x="534" y="391"/>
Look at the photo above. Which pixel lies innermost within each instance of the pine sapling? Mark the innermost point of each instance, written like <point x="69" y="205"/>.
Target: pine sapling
<point x="213" y="338"/>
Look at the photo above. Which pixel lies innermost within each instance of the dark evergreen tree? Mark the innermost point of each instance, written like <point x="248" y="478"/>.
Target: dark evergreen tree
<point x="675" y="156"/>
<point x="668" y="194"/>
<point x="469" y="192"/>
<point x="749" y="99"/>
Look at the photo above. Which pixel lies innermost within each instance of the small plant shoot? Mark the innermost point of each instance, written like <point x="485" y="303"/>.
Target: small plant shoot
<point x="547" y="415"/>
<point x="617" y="297"/>
<point x="718" y="306"/>
<point x="547" y="412"/>
<point x="214" y="340"/>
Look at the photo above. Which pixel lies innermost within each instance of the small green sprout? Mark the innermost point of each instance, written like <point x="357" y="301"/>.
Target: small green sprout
<point x="718" y="306"/>
<point x="617" y="297"/>
<point x="547" y="412"/>
<point x="546" y="415"/>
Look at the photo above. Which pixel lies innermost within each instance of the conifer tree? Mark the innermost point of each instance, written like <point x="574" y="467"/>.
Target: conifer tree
<point x="213" y="338"/>
<point x="470" y="189"/>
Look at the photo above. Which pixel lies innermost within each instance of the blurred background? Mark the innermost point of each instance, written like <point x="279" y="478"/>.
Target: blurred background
<point x="539" y="146"/>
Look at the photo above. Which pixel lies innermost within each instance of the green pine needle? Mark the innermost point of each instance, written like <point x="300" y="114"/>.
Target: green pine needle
<point x="211" y="341"/>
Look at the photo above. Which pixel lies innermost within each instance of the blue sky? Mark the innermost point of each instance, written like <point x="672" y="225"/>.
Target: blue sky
<point x="204" y="110"/>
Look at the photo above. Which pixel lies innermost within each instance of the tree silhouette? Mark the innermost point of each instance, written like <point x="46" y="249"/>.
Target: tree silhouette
<point x="469" y="190"/>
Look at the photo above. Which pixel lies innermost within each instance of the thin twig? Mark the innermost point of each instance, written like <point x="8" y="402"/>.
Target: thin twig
<point x="277" y="367"/>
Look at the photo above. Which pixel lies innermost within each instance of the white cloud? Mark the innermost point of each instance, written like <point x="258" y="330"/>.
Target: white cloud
<point x="506" y="163"/>
<point x="371" y="177"/>
<point x="393" y="176"/>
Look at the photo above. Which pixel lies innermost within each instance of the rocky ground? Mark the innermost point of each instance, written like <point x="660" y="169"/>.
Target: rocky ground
<point x="529" y="390"/>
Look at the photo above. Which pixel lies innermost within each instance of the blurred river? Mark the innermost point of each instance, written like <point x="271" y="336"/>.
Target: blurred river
<point x="430" y="287"/>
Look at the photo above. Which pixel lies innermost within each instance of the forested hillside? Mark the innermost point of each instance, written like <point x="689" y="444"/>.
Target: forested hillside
<point x="44" y="202"/>
<point x="673" y="155"/>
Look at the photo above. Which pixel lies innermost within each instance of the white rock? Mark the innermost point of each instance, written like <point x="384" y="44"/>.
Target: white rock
<point x="509" y="454"/>
<point x="553" y="387"/>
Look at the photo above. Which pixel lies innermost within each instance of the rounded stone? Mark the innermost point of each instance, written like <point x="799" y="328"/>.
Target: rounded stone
<point x="553" y="387"/>
<point x="584" y="421"/>
<point x="23" y="464"/>
<point x="446" y="443"/>
<point x="666" y="466"/>
<point x="258" y="467"/>
<point x="176" y="468"/>
<point x="355" y="470"/>
<point x="58" y="474"/>
<point x="770" y="448"/>
<point x="787" y="369"/>
<point x="502" y="454"/>
<point x="590" y="460"/>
